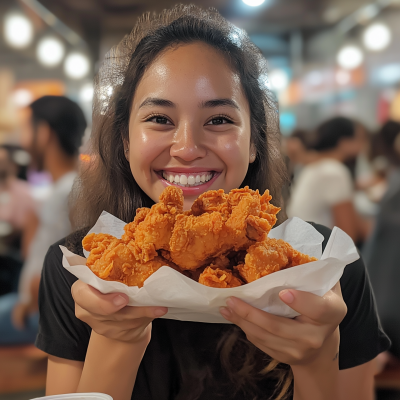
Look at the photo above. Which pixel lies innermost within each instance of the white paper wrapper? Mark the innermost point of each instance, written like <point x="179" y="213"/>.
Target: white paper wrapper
<point x="188" y="300"/>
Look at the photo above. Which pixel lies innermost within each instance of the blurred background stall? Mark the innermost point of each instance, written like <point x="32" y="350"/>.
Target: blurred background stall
<point x="335" y="70"/>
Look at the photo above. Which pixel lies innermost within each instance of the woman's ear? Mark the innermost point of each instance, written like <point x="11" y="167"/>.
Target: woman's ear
<point x="253" y="153"/>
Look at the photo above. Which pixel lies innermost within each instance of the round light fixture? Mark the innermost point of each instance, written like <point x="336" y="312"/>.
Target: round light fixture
<point x="279" y="80"/>
<point x="76" y="65"/>
<point x="86" y="93"/>
<point x="377" y="36"/>
<point x="350" y="57"/>
<point x="253" y="3"/>
<point x="50" y="51"/>
<point x="22" y="97"/>
<point x="18" y="30"/>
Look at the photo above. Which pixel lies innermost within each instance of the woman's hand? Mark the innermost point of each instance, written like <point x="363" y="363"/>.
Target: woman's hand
<point x="309" y="339"/>
<point x="108" y="315"/>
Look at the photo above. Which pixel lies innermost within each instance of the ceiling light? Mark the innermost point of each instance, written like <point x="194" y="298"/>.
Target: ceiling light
<point x="279" y="79"/>
<point x="50" y="51"/>
<point x="253" y="3"/>
<point x="350" y="57"/>
<point x="18" y="30"/>
<point x="86" y="93"/>
<point x="22" y="97"/>
<point x="76" y="65"/>
<point x="377" y="36"/>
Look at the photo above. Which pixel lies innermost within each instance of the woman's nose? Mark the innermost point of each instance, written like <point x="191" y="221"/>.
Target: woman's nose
<point x="187" y="143"/>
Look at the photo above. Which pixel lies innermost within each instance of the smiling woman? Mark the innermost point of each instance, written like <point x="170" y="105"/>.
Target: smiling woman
<point x="182" y="101"/>
<point x="187" y="101"/>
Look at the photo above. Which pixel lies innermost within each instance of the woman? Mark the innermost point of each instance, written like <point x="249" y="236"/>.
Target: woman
<point x="188" y="98"/>
<point x="323" y="191"/>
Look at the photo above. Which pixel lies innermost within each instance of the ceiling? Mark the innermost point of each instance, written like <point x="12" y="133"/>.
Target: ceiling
<point x="94" y="19"/>
<point x="102" y="23"/>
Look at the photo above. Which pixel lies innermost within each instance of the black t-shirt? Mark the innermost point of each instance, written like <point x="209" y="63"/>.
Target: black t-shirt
<point x="183" y="360"/>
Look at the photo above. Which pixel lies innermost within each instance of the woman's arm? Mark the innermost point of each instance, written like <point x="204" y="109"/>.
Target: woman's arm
<point x="309" y="343"/>
<point x="319" y="378"/>
<point x="118" y="340"/>
<point x="357" y="382"/>
<point x="111" y="366"/>
<point x="62" y="375"/>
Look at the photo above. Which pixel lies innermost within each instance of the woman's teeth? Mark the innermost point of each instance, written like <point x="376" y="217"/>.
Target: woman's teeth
<point x="188" y="180"/>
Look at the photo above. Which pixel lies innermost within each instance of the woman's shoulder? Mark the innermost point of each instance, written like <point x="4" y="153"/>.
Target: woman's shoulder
<point x="73" y="242"/>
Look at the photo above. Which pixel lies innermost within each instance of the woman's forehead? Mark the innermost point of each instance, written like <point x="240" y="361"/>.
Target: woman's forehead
<point x="190" y="71"/>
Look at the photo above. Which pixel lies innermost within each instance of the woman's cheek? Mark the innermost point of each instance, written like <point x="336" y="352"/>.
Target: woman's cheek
<point x="235" y="155"/>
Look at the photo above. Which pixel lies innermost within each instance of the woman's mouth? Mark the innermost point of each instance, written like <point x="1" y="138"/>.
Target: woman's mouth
<point x="193" y="182"/>
<point x="188" y="179"/>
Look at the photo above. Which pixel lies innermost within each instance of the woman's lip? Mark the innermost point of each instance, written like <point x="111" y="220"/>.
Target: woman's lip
<point x="189" y="170"/>
<point x="192" y="190"/>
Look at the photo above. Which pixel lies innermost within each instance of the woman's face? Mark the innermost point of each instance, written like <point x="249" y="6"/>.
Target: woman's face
<point x="189" y="124"/>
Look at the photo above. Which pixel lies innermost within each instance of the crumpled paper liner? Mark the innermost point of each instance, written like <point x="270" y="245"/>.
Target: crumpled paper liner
<point x="188" y="300"/>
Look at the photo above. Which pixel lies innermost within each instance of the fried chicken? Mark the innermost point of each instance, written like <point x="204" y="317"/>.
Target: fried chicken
<point x="210" y="201"/>
<point x="222" y="241"/>
<point x="268" y="256"/>
<point x="155" y="230"/>
<point x="235" y="225"/>
<point x="218" y="278"/>
<point x="112" y="260"/>
<point x="130" y="229"/>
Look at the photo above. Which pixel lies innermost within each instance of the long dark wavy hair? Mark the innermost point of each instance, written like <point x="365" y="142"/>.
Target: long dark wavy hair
<point x="106" y="181"/>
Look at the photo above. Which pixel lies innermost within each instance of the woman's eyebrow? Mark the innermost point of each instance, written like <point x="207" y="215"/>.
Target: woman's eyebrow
<point x="154" y="101"/>
<point x="219" y="102"/>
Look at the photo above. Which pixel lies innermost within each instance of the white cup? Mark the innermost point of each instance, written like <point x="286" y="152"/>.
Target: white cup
<point x="77" y="396"/>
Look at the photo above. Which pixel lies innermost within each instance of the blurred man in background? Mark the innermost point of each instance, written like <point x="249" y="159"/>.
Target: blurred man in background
<point x="324" y="190"/>
<point x="53" y="136"/>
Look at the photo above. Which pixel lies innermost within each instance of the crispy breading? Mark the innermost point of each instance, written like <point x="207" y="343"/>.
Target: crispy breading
<point x="154" y="232"/>
<point x="268" y="256"/>
<point x="218" y="278"/>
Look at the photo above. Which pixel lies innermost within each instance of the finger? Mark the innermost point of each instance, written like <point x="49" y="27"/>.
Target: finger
<point x="279" y="326"/>
<point x="327" y="309"/>
<point x="90" y="299"/>
<point x="132" y="312"/>
<point x="255" y="333"/>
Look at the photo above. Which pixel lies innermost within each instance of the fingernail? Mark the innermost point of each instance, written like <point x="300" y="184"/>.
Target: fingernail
<point x="286" y="296"/>
<point x="159" y="312"/>
<point x="225" y="312"/>
<point x="119" y="301"/>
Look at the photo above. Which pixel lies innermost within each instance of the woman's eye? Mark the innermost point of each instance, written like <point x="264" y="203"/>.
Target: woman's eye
<point x="219" y="121"/>
<point x="158" y="119"/>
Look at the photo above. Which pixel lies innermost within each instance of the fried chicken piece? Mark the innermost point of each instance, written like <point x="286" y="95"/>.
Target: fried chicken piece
<point x="197" y="239"/>
<point x="154" y="232"/>
<point x="130" y="229"/>
<point x="210" y="201"/>
<point x="218" y="278"/>
<point x="112" y="260"/>
<point x="97" y="244"/>
<point x="268" y="256"/>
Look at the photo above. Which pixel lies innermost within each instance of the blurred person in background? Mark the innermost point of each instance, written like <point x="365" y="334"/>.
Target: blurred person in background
<point x="52" y="135"/>
<point x="297" y="152"/>
<point x="16" y="204"/>
<point x="382" y="250"/>
<point x="323" y="191"/>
